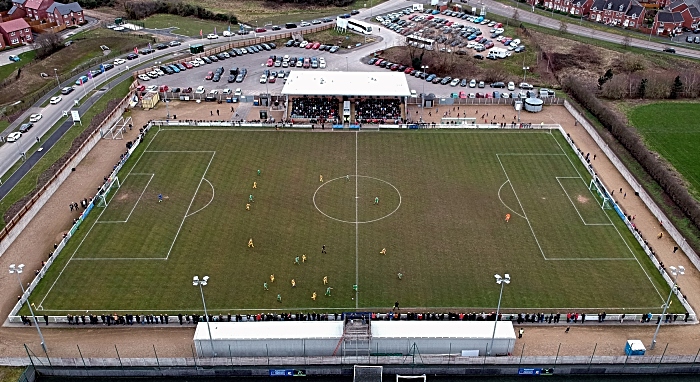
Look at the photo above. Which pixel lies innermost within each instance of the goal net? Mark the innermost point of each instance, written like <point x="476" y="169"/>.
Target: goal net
<point x="601" y="196"/>
<point x="416" y="378"/>
<point x="106" y="190"/>
<point x="367" y="373"/>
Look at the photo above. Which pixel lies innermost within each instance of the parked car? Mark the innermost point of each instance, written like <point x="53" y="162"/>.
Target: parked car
<point x="212" y="36"/>
<point x="13" y="137"/>
<point x="14" y="58"/>
<point x="67" y="90"/>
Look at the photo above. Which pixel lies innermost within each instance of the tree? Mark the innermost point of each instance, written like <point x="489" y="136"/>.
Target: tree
<point x="516" y="15"/>
<point x="626" y="42"/>
<point x="605" y="78"/>
<point x="46" y="44"/>
<point x="562" y="27"/>
<point x="642" y="91"/>
<point x="676" y="88"/>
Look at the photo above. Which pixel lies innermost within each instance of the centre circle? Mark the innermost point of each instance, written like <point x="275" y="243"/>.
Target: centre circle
<point x="357" y="199"/>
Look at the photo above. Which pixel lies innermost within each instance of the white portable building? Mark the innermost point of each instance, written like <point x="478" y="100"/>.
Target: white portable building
<point x="268" y="338"/>
<point x="441" y="337"/>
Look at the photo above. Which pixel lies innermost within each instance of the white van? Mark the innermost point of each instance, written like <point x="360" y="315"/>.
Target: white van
<point x="227" y="34"/>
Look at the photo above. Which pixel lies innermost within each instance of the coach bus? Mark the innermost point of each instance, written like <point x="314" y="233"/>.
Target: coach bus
<point x="359" y="26"/>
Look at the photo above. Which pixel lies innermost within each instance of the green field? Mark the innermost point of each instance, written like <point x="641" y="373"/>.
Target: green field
<point x="186" y="26"/>
<point x="443" y="199"/>
<point x="673" y="130"/>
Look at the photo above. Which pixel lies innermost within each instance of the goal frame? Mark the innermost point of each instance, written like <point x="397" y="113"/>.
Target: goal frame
<point x="102" y="197"/>
<point x="399" y="376"/>
<point x="604" y="201"/>
<point x="355" y="367"/>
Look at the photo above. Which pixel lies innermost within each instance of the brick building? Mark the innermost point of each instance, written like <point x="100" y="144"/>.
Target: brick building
<point x="70" y="14"/>
<point x="16" y="32"/>
<point x="623" y="13"/>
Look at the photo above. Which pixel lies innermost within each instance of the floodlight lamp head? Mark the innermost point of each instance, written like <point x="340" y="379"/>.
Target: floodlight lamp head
<point x="506" y="279"/>
<point x="12" y="268"/>
<point x="681" y="269"/>
<point x="195" y="280"/>
<point x="204" y="280"/>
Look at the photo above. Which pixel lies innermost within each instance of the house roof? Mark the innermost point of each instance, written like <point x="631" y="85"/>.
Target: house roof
<point x="64" y="9"/>
<point x="12" y="10"/>
<point x="18" y="1"/>
<point x="34" y="4"/>
<point x="675" y="4"/>
<point x="635" y="9"/>
<point x="669" y="17"/>
<point x="14" y="25"/>
<point x="694" y="11"/>
<point x="612" y="5"/>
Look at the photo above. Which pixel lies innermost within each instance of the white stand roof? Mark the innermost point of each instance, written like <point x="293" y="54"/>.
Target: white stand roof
<point x="442" y="329"/>
<point x="268" y="330"/>
<point x="313" y="82"/>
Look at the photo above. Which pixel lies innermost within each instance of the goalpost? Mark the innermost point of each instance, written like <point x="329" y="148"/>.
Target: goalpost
<point x="367" y="373"/>
<point x="603" y="199"/>
<point x="416" y="377"/>
<point x="105" y="190"/>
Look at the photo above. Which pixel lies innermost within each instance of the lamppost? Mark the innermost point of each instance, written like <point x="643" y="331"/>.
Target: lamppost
<point x="675" y="272"/>
<point x="17" y="269"/>
<point x="423" y="69"/>
<point x="525" y="69"/>
<point x="55" y="71"/>
<point x="197" y="282"/>
<point x="502" y="281"/>
<point x="346" y="63"/>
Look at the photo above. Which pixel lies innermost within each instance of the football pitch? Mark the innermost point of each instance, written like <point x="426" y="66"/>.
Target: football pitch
<point x="440" y="214"/>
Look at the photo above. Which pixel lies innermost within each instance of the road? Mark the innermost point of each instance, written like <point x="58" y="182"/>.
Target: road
<point x="573" y="28"/>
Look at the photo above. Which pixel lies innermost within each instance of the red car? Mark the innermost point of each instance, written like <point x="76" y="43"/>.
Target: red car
<point x="462" y="95"/>
<point x="316" y="45"/>
<point x="394" y="67"/>
<point x="478" y="39"/>
<point x="260" y="30"/>
<point x="141" y="88"/>
<point x="271" y="79"/>
<point x="164" y="89"/>
<point x="379" y="61"/>
<point x="430" y="17"/>
<point x="209" y="76"/>
<point x="188" y="65"/>
<point x="408" y="70"/>
<point x="270" y="62"/>
<point x="309" y="45"/>
<point x="449" y="23"/>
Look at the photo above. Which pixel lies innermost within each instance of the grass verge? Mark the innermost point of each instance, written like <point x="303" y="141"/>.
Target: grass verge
<point x="25" y="58"/>
<point x="186" y="26"/>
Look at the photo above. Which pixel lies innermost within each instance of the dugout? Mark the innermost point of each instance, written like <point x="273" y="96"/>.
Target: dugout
<point x="441" y="337"/>
<point x="269" y="338"/>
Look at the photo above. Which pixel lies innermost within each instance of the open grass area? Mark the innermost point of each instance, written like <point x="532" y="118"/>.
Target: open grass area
<point x="272" y="13"/>
<point x="186" y="26"/>
<point x="29" y="182"/>
<point x="673" y="130"/>
<point x="25" y="58"/>
<point x="440" y="218"/>
<point x="86" y="48"/>
<point x="10" y="374"/>
<point x="333" y="37"/>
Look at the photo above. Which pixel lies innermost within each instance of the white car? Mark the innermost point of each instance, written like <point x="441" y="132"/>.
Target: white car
<point x="55" y="100"/>
<point x="199" y="61"/>
<point x="303" y="44"/>
<point x="226" y="91"/>
<point x="263" y="79"/>
<point x="35" y="118"/>
<point x="195" y="63"/>
<point x="300" y="63"/>
<point x="285" y="58"/>
<point x="414" y="94"/>
<point x="200" y="90"/>
<point x="305" y="24"/>
<point x="238" y="92"/>
<point x="119" y="61"/>
<point x="472" y="83"/>
<point x="322" y="63"/>
<point x="212" y="36"/>
<point x="227" y="33"/>
<point x="160" y="72"/>
<point x="515" y="42"/>
<point x="454" y="82"/>
<point x="152" y="88"/>
<point x="13" y="137"/>
<point x="511" y="86"/>
<point x="144" y="77"/>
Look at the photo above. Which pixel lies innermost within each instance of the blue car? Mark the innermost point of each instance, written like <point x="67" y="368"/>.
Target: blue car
<point x="430" y="78"/>
<point x="479" y="19"/>
<point x="83" y="78"/>
<point x="14" y="58"/>
<point x="472" y="36"/>
<point x="175" y="68"/>
<point x="435" y="12"/>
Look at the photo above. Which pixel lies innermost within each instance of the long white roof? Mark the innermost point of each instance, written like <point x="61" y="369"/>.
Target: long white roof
<point x="314" y="82"/>
<point x="442" y="329"/>
<point x="268" y="330"/>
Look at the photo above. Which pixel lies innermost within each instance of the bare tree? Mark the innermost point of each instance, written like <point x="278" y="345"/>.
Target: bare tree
<point x="562" y="27"/>
<point x="516" y="15"/>
<point x="46" y="44"/>
<point x="626" y="42"/>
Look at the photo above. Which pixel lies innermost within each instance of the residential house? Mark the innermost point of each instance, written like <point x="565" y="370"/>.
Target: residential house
<point x="574" y="7"/>
<point x="666" y="22"/>
<point x="691" y="17"/>
<point x="17" y="11"/>
<point x="625" y="13"/>
<point x="16" y="32"/>
<point x="36" y="9"/>
<point x="70" y="14"/>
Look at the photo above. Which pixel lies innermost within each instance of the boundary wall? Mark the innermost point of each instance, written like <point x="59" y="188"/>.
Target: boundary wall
<point x="14" y="318"/>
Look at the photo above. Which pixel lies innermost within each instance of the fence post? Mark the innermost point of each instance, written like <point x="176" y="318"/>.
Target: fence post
<point x="662" y="357"/>
<point x="557" y="356"/>
<point x="522" y="351"/>
<point x="118" y="357"/>
<point x="154" y="352"/>
<point x="81" y="357"/>
<point x="592" y="355"/>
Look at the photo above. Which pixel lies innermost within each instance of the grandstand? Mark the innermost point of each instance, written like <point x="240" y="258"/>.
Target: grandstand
<point x="346" y="97"/>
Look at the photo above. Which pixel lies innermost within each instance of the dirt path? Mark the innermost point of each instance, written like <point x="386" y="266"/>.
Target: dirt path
<point x="138" y="341"/>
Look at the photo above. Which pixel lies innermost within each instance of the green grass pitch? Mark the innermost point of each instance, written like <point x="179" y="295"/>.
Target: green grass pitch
<point x="443" y="197"/>
<point x="673" y="130"/>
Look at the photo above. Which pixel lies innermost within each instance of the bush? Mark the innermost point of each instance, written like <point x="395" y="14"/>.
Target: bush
<point x="144" y="8"/>
<point x="628" y="138"/>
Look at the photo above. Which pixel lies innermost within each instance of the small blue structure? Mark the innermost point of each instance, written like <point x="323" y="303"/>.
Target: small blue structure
<point x="635" y="347"/>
